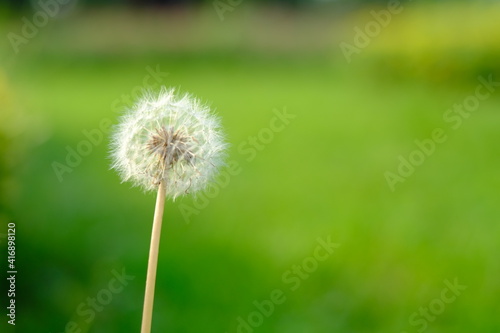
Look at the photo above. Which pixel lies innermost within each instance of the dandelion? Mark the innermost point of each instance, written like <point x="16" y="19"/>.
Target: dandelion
<point x="171" y="139"/>
<point x="172" y="144"/>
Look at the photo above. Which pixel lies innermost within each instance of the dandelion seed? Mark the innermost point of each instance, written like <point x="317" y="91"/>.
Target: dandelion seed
<point x="172" y="144"/>
<point x="171" y="139"/>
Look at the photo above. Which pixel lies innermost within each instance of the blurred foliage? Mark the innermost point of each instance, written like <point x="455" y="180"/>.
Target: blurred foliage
<point x="437" y="43"/>
<point x="23" y="4"/>
<point x="10" y="147"/>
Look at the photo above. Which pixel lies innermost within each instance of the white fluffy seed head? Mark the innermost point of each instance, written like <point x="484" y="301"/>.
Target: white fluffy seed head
<point x="168" y="138"/>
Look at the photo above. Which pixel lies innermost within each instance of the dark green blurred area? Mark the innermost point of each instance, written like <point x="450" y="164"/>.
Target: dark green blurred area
<point x="322" y="176"/>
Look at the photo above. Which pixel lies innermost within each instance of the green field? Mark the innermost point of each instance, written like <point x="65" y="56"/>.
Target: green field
<point x="322" y="175"/>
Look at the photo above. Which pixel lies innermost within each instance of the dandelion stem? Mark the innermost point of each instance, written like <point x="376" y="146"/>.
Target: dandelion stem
<point x="147" y="313"/>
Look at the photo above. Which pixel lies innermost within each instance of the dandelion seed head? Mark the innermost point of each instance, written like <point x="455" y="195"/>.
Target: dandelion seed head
<point x="170" y="138"/>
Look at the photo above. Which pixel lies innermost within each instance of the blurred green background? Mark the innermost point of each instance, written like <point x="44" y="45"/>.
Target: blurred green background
<point x="323" y="175"/>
